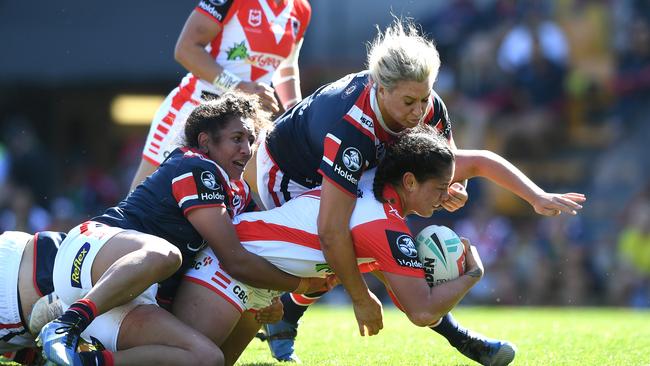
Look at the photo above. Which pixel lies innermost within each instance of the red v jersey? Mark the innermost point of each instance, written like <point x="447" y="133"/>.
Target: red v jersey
<point x="256" y="35"/>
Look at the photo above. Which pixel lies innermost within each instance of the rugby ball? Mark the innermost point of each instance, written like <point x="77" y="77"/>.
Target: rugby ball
<point x="442" y="254"/>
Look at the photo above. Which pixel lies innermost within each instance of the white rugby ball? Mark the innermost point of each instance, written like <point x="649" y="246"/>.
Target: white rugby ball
<point x="442" y="254"/>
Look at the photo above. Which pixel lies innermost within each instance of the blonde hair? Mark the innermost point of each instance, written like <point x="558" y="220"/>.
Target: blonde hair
<point x="402" y="54"/>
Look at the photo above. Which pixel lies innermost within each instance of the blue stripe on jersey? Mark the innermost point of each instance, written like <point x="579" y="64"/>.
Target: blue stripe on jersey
<point x="46" y="246"/>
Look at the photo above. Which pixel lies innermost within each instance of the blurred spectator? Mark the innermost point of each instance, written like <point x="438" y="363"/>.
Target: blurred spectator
<point x="22" y="214"/>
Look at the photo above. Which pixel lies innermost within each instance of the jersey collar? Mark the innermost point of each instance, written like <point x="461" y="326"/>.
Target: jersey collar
<point x="394" y="202"/>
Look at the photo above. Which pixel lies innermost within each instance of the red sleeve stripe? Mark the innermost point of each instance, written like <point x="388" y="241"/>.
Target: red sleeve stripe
<point x="331" y="146"/>
<point x="185" y="211"/>
<point x="263" y="231"/>
<point x="184" y="188"/>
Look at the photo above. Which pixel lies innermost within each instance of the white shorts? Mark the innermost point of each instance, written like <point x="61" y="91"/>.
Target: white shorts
<point x="72" y="279"/>
<point x="273" y="187"/>
<point x="12" y="245"/>
<point x="207" y="272"/>
<point x="167" y="127"/>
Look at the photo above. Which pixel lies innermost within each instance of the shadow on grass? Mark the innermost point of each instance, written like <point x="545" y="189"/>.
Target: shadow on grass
<point x="259" y="364"/>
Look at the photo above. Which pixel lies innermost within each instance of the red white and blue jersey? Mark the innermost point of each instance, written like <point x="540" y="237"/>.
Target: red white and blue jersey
<point x="185" y="181"/>
<point x="256" y="37"/>
<point x="336" y="133"/>
<point x="287" y="236"/>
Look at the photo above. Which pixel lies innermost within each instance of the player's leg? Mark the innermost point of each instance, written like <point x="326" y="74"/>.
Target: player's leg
<point x="240" y="337"/>
<point x="205" y="310"/>
<point x="96" y="269"/>
<point x="474" y="345"/>
<point x="150" y="335"/>
<point x="282" y="335"/>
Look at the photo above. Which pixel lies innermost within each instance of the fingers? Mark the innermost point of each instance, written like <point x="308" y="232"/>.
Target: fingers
<point x="267" y="97"/>
<point x="456" y="197"/>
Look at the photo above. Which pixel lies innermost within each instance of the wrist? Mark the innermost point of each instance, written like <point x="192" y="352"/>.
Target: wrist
<point x="225" y="81"/>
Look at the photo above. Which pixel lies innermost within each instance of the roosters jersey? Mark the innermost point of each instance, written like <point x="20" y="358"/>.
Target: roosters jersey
<point x="335" y="133"/>
<point x="256" y="36"/>
<point x="187" y="180"/>
<point x="287" y="236"/>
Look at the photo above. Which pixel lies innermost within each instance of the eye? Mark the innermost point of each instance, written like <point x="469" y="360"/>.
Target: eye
<point x="237" y="139"/>
<point x="408" y="103"/>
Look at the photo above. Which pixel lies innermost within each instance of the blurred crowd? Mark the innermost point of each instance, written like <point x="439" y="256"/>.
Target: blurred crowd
<point x="562" y="89"/>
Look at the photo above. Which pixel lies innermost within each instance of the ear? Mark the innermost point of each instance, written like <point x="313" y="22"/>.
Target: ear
<point x="409" y="182"/>
<point x="203" y="140"/>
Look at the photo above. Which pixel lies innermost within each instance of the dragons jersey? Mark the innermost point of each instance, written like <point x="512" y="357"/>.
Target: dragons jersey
<point x="287" y="236"/>
<point x="159" y="206"/>
<point x="256" y="36"/>
<point x="336" y="133"/>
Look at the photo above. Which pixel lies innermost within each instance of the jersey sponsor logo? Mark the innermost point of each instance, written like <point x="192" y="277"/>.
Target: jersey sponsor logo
<point x="407" y="246"/>
<point x="345" y="174"/>
<point x="209" y="181"/>
<point x="210" y="8"/>
<point x="237" y="52"/>
<point x="240" y="293"/>
<point x="205" y="261"/>
<point x="75" y="273"/>
<point x="367" y="121"/>
<point x="218" y="2"/>
<point x="255" y="17"/>
<point x="216" y="196"/>
<point x="402" y="246"/>
<point x="264" y="60"/>
<point x="352" y="159"/>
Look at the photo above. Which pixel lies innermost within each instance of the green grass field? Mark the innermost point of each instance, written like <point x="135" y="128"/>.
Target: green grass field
<point x="544" y="336"/>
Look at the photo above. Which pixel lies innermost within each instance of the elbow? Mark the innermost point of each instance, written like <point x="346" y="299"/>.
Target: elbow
<point x="328" y="236"/>
<point x="180" y="52"/>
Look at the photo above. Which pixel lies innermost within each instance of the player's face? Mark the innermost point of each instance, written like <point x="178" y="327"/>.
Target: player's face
<point x="427" y="196"/>
<point x="405" y="105"/>
<point x="232" y="150"/>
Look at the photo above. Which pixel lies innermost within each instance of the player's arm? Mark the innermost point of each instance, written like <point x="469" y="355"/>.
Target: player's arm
<point x="215" y="226"/>
<point x="199" y="30"/>
<point x="336" y="208"/>
<point x="483" y="163"/>
<point x="424" y="305"/>
<point x="286" y="80"/>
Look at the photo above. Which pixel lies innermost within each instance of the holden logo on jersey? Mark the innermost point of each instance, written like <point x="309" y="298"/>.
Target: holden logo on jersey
<point x="255" y="17"/>
<point x="403" y="249"/>
<point x="209" y="181"/>
<point x="406" y="246"/>
<point x="218" y="2"/>
<point x="352" y="159"/>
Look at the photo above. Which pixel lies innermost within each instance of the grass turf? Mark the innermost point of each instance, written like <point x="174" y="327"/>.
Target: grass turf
<point x="544" y="336"/>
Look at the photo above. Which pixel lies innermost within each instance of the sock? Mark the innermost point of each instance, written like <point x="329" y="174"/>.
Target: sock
<point x="82" y="312"/>
<point x="295" y="305"/>
<point x="449" y="328"/>
<point x="96" y="358"/>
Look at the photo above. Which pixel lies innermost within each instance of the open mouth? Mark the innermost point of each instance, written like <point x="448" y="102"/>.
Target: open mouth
<point x="239" y="163"/>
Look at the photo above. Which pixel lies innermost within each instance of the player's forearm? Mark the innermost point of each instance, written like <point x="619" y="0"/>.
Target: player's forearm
<point x="256" y="271"/>
<point x="483" y="163"/>
<point x="287" y="86"/>
<point x="439" y="300"/>
<point x="196" y="60"/>
<point x="339" y="253"/>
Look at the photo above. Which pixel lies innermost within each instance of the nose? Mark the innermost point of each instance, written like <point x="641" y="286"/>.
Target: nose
<point x="246" y="148"/>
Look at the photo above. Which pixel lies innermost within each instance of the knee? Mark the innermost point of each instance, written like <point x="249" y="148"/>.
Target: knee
<point x="165" y="259"/>
<point x="207" y="354"/>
